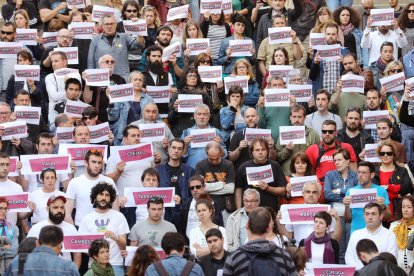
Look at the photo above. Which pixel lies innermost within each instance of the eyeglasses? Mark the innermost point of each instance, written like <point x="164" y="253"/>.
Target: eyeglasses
<point x="131" y="11"/>
<point x="4" y="209"/>
<point x="386" y="153"/>
<point x="250" y="201"/>
<point x="194" y="76"/>
<point x="196" y="187"/>
<point x="7" y="33"/>
<point x="5" y="113"/>
<point x="325" y="131"/>
<point x="65" y="36"/>
<point x="395" y="70"/>
<point x="109" y="61"/>
<point x="410" y="11"/>
<point x="205" y="61"/>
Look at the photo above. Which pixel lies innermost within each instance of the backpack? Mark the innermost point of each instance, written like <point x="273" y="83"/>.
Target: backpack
<point x="322" y="151"/>
<point x="185" y="272"/>
<point x="261" y="264"/>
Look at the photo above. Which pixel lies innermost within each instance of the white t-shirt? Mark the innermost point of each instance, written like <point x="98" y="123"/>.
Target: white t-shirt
<point x="197" y="236"/>
<point x="79" y="189"/>
<point x="317" y="252"/>
<point x="34" y="183"/>
<point x="67" y="228"/>
<point x="100" y="222"/>
<point x="40" y="198"/>
<point x="193" y="220"/>
<point x="130" y="177"/>
<point x="9" y="187"/>
<point x="302" y="231"/>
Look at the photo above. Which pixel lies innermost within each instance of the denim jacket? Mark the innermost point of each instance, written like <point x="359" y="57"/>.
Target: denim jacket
<point x="10" y="252"/>
<point x="118" y="115"/>
<point x="358" y="35"/>
<point x="227" y="121"/>
<point x="334" y="181"/>
<point x="408" y="61"/>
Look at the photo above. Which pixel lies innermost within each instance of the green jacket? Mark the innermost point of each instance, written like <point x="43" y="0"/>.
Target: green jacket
<point x="274" y="117"/>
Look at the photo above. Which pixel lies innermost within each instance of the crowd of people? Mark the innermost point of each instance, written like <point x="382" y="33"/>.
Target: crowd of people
<point x="225" y="143"/>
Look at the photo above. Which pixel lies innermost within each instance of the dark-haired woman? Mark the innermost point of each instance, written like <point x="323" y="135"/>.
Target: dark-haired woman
<point x="8" y="237"/>
<point x="214" y="27"/>
<point x="99" y="251"/>
<point x="406" y="24"/>
<point x="144" y="256"/>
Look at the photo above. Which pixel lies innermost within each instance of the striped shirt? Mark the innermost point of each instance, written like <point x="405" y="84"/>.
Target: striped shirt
<point x="216" y="33"/>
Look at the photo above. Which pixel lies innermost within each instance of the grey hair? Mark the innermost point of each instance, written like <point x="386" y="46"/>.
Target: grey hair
<point x="203" y="107"/>
<point x="100" y="60"/>
<point x="107" y="16"/>
<point x="312" y="183"/>
<point x="61" y="119"/>
<point x="147" y="104"/>
<point x="294" y="73"/>
<point x="214" y="145"/>
<point x="133" y="73"/>
<point x="252" y="191"/>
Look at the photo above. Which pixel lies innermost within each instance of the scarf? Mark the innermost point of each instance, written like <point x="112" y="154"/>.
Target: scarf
<point x="101" y="271"/>
<point x="346" y="30"/>
<point x="328" y="253"/>
<point x="401" y="232"/>
<point x="410" y="24"/>
<point x="6" y="229"/>
<point x="381" y="65"/>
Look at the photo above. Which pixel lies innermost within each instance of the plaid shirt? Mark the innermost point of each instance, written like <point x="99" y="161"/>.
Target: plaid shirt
<point x="374" y="134"/>
<point x="331" y="74"/>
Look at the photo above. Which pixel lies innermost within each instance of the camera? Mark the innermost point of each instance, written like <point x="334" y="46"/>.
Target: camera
<point x="60" y="107"/>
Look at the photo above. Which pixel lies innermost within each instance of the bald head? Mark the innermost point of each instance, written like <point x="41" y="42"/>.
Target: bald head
<point x="251" y="117"/>
<point x="367" y="3"/>
<point x="64" y="38"/>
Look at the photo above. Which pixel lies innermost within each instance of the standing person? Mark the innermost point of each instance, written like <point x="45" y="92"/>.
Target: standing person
<point x="406" y="24"/>
<point x="214" y="27"/>
<point x="112" y="223"/>
<point x="213" y="263"/>
<point x="99" y="251"/>
<point x="8" y="237"/>
<point x="49" y="10"/>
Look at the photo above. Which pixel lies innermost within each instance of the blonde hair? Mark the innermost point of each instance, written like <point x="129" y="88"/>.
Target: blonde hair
<point x="245" y="62"/>
<point x="148" y="8"/>
<point x="391" y="65"/>
<point x="24" y="14"/>
<point x="187" y="26"/>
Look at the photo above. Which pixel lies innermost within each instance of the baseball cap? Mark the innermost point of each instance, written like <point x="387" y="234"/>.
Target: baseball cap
<point x="54" y="197"/>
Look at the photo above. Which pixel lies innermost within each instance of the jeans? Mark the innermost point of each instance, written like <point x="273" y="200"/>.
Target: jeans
<point x="407" y="134"/>
<point x="119" y="270"/>
<point x="343" y="243"/>
<point x="334" y="4"/>
<point x="195" y="10"/>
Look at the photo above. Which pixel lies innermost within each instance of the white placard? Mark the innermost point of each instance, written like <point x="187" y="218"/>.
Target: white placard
<point x="280" y="70"/>
<point x="197" y="45"/>
<point x="301" y="213"/>
<point x="360" y="197"/>
<point x="99" y="133"/>
<point x="97" y="77"/>
<point x="241" y="48"/>
<point x="280" y="35"/>
<point x="160" y="94"/>
<point x="317" y="39"/>
<point x="12" y="168"/>
<point x="315" y="269"/>
<point x="382" y="17"/>
<point x="26" y="36"/>
<point x="253" y="133"/>
<point x="10" y="49"/>
<point x="78" y="151"/>
<point x="152" y="132"/>
<point x="301" y="92"/>
<point x="172" y="49"/>
<point x="371" y="153"/>
<point x="137" y="28"/>
<point x="277" y="97"/>
<point x="139" y="196"/>
<point x="393" y="83"/>
<point x="16" y="129"/>
<point x="71" y="53"/>
<point x="297" y="184"/>
<point x="65" y="134"/>
<point x="50" y="39"/>
<point x="75" y="108"/>
<point x="329" y="52"/>
<point x="227" y="6"/>
<point x="78" y="4"/>
<point x="82" y="30"/>
<point x="99" y="11"/>
<point x="188" y="102"/>
<point x="371" y="117"/>
<point x="212" y="6"/>
<point x="141" y="154"/>
<point x="294" y="134"/>
<point x="410" y="82"/>
<point x="121" y="93"/>
<point x="210" y="74"/>
<point x="29" y="114"/>
<point x="242" y="81"/>
<point x="35" y="163"/>
<point x="26" y="72"/>
<point x="256" y="174"/>
<point x="201" y="137"/>
<point x="178" y="13"/>
<point x="66" y="73"/>
<point x="353" y="83"/>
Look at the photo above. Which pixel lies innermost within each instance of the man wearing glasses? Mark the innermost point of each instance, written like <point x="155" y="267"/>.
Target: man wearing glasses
<point x="8" y="34"/>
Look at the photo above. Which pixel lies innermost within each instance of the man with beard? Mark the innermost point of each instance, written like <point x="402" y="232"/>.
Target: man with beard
<point x="79" y="187"/>
<point x="56" y="209"/>
<point x="350" y="62"/>
<point x="110" y="222"/>
<point x="373" y="40"/>
<point x="353" y="132"/>
<point x="96" y="96"/>
<point x="214" y="262"/>
<point x="285" y="152"/>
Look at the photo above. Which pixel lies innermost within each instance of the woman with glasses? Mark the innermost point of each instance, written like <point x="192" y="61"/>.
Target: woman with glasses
<point x="280" y="57"/>
<point x="243" y="68"/>
<point x="9" y="234"/>
<point x="99" y="251"/>
<point x="394" y="98"/>
<point x="214" y="27"/>
<point x="205" y="213"/>
<point x="406" y="24"/>
<point x="403" y="230"/>
<point x="191" y="31"/>
<point x="393" y="177"/>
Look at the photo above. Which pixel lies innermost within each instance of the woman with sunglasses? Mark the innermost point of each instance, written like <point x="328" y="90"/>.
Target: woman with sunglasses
<point x="406" y="24"/>
<point x="393" y="99"/>
<point x="393" y="177"/>
<point x="9" y="234"/>
<point x="191" y="31"/>
<point x="243" y="68"/>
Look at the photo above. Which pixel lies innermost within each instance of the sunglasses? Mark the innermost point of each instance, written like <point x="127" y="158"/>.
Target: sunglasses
<point x="395" y="70"/>
<point x="131" y="11"/>
<point x="386" y="153"/>
<point x="325" y="131"/>
<point x="196" y="187"/>
<point x="6" y="33"/>
<point x="194" y="76"/>
<point x="410" y="11"/>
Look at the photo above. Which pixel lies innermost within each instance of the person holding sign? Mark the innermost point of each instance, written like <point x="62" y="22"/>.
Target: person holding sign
<point x="214" y="27"/>
<point x="243" y="68"/>
<point x="191" y="31"/>
<point x="99" y="251"/>
<point x="9" y="237"/>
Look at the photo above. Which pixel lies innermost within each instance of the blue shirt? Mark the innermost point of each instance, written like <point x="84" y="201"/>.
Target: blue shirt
<point x="358" y="221"/>
<point x="174" y="265"/>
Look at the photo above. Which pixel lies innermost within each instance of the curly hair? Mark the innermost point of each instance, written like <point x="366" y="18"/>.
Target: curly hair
<point x="96" y="245"/>
<point x="403" y="19"/>
<point x="101" y="187"/>
<point x="354" y="18"/>
<point x="144" y="256"/>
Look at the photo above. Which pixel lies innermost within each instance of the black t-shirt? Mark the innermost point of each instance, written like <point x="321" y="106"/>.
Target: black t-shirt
<point x="244" y="154"/>
<point x="266" y="199"/>
<point x="51" y="5"/>
<point x="354" y="142"/>
<point x="173" y="174"/>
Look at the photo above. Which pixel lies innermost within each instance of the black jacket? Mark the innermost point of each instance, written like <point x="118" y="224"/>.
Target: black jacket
<point x="379" y="266"/>
<point x="210" y="265"/>
<point x="365" y="138"/>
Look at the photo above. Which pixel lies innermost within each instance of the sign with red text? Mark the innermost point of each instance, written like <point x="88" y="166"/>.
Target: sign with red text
<point x="66" y="73"/>
<point x="16" y="129"/>
<point x="82" y="30"/>
<point x="177" y="13"/>
<point x="65" y="134"/>
<point x="131" y="253"/>
<point x="301" y="213"/>
<point x="353" y="83"/>
<point x="139" y="196"/>
<point x="17" y="202"/>
<point x="292" y="134"/>
<point x="360" y="197"/>
<point x="371" y="153"/>
<point x="382" y="17"/>
<point x="393" y="83"/>
<point x="242" y="81"/>
<point x="315" y="269"/>
<point x="10" y="49"/>
<point x="26" y="36"/>
<point x="97" y="77"/>
<point x="50" y="39"/>
<point x="371" y="117"/>
<point x="279" y="35"/>
<point x="98" y="12"/>
<point x="121" y="93"/>
<point x="212" y="6"/>
<point x="258" y="174"/>
<point x="276" y="97"/>
<point x="410" y="82"/>
<point x="152" y="132"/>
<point x="75" y="108"/>
<point x="160" y="94"/>
<point x="301" y="92"/>
<point x="29" y="114"/>
<point x="77" y="151"/>
<point x="26" y="72"/>
<point x="71" y="54"/>
<point x="138" y="154"/>
<point x="197" y="45"/>
<point x="210" y="74"/>
<point x="79" y="243"/>
<point x="253" y="133"/>
<point x="280" y="70"/>
<point x="297" y="184"/>
<point x="201" y="137"/>
<point x="12" y="168"/>
<point x="172" y="49"/>
<point x="317" y="39"/>
<point x="188" y="102"/>
<point x="99" y="133"/>
<point x="227" y="6"/>
<point x="137" y="28"/>
<point x="329" y="52"/>
<point x="78" y="4"/>
<point x="34" y="163"/>
<point x="241" y="48"/>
